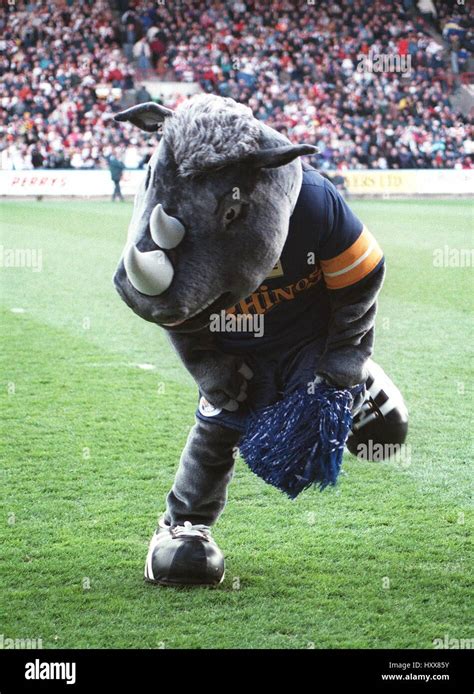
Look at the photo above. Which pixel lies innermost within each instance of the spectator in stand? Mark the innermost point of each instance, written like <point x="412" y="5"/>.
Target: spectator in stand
<point x="142" y="54"/>
<point x="427" y="10"/>
<point x="129" y="40"/>
<point x="36" y="158"/>
<point x="142" y="95"/>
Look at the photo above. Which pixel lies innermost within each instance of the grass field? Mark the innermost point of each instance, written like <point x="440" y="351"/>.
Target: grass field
<point x="91" y="439"/>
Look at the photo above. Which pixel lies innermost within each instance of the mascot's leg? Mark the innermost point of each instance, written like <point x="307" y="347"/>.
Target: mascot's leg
<point x="380" y="426"/>
<point x="182" y="551"/>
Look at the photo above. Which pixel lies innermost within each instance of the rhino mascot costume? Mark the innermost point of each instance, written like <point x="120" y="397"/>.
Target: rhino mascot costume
<point x="266" y="283"/>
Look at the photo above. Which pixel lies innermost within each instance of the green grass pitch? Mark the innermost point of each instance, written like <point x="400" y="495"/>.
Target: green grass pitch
<point x="91" y="439"/>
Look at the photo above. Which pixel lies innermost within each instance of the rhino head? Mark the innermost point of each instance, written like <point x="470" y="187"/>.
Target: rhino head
<point x="212" y="213"/>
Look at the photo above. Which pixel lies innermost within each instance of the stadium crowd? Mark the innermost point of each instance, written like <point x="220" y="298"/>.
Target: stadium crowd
<point x="56" y="57"/>
<point x="364" y="81"/>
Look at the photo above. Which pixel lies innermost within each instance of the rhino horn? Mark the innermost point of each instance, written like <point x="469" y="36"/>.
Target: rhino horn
<point x="167" y="232"/>
<point x="151" y="272"/>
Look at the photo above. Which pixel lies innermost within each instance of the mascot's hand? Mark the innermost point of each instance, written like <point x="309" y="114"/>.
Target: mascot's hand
<point x="358" y="401"/>
<point x="224" y="381"/>
<point x="221" y="378"/>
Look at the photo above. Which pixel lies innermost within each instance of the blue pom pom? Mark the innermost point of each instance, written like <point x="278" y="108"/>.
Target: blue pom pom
<point x="299" y="441"/>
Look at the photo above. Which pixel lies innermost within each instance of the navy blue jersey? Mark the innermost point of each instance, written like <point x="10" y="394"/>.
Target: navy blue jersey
<point x="327" y="248"/>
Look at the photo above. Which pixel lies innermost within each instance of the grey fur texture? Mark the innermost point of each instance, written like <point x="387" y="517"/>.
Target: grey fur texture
<point x="214" y="157"/>
<point x="208" y="132"/>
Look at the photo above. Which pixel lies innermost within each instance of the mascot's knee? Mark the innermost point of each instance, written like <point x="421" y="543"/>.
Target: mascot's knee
<point x="380" y="427"/>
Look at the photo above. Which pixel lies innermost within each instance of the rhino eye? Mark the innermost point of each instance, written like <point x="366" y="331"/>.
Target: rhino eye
<point x="232" y="213"/>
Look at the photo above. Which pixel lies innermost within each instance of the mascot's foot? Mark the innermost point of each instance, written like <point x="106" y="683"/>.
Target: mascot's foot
<point x="184" y="555"/>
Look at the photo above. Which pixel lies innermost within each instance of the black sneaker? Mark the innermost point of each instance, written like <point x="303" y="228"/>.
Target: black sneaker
<point x="184" y="555"/>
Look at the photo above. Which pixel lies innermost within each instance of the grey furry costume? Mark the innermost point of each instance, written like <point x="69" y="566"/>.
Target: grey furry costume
<point x="222" y="206"/>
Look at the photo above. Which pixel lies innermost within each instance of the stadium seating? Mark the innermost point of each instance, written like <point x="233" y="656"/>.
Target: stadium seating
<point x="313" y="71"/>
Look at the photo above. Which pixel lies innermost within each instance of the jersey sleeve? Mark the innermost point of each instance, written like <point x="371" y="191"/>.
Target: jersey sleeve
<point x="348" y="252"/>
<point x="352" y="264"/>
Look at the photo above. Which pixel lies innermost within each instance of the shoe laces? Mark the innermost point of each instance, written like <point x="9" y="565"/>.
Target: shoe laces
<point x="190" y="530"/>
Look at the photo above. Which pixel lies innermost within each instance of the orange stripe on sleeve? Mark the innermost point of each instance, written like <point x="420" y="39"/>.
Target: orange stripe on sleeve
<point x="353" y="264"/>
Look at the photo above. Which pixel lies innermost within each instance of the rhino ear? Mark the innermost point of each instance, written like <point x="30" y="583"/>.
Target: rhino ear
<point x="146" y="116"/>
<point x="277" y="156"/>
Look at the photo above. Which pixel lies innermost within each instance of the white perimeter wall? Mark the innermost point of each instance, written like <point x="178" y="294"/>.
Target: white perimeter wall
<point x="97" y="183"/>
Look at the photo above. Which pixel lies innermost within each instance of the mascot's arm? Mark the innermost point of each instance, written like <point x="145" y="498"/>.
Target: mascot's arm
<point x="353" y="267"/>
<point x="351" y="331"/>
<point x="222" y="378"/>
